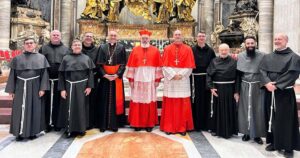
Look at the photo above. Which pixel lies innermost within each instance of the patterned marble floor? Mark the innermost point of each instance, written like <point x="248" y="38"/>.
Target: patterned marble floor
<point x="129" y="144"/>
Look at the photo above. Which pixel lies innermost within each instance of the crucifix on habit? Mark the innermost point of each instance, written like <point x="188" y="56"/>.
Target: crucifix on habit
<point x="176" y="61"/>
<point x="109" y="61"/>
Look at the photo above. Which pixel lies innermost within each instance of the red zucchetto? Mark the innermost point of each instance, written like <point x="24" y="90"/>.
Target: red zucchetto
<point x="145" y="32"/>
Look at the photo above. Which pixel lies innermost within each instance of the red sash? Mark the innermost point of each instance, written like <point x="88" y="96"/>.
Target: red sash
<point x="119" y="88"/>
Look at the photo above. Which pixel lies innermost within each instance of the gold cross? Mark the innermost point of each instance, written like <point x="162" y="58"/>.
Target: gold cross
<point x="176" y="61"/>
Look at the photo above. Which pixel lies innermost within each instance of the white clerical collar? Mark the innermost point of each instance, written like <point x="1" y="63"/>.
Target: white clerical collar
<point x="145" y="45"/>
<point x="281" y="49"/>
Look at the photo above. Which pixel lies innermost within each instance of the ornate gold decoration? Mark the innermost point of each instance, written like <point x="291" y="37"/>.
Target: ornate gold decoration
<point x="214" y="37"/>
<point x="140" y="8"/>
<point x="159" y="31"/>
<point x="94" y="9"/>
<point x="249" y="26"/>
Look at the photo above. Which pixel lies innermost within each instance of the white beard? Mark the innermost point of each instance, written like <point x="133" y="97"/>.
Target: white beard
<point x="145" y="45"/>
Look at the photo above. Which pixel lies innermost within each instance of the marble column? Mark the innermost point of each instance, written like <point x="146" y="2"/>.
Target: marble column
<point x="208" y="20"/>
<point x="5" y="6"/>
<point x="217" y="12"/>
<point x="66" y="21"/>
<point x="56" y="12"/>
<point x="265" y="33"/>
<point x="287" y="20"/>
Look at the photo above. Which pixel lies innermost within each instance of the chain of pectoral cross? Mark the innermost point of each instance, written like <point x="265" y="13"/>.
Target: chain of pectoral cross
<point x="145" y="55"/>
<point x="176" y="56"/>
<point x="111" y="54"/>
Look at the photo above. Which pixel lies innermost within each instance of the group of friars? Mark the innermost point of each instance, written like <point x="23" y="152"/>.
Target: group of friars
<point x="82" y="88"/>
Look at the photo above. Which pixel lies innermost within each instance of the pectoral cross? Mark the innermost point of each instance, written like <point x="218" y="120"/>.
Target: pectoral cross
<point x="144" y="60"/>
<point x="110" y="61"/>
<point x="176" y="61"/>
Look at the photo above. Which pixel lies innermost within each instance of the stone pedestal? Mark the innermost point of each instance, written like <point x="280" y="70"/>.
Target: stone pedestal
<point x="287" y="20"/>
<point x="94" y="26"/>
<point x="187" y="30"/>
<point x="5" y="6"/>
<point x="265" y="33"/>
<point x="131" y="31"/>
<point x="23" y="17"/>
<point x="26" y="22"/>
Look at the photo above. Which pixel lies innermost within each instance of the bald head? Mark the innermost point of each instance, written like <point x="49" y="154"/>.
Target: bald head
<point x="224" y="50"/>
<point x="112" y="36"/>
<point x="55" y="37"/>
<point x="177" y="37"/>
<point x="280" y="41"/>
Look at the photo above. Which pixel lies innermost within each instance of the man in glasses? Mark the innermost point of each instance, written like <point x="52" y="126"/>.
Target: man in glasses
<point x="28" y="80"/>
<point x="89" y="49"/>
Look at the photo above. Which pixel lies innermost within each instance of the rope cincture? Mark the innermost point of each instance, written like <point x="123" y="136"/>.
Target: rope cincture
<point x="24" y="100"/>
<point x="70" y="100"/>
<point x="51" y="99"/>
<point x="273" y="107"/>
<point x="212" y="96"/>
<point x="250" y="100"/>
<point x="193" y="83"/>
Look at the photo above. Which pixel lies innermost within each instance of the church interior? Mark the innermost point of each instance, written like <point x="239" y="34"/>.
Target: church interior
<point x="223" y="21"/>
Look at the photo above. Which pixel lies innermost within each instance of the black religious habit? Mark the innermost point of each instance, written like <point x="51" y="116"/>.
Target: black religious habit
<point x="54" y="55"/>
<point x="200" y="94"/>
<point x="28" y="76"/>
<point x="221" y="75"/>
<point x="282" y="67"/>
<point x="76" y="74"/>
<point x="92" y="52"/>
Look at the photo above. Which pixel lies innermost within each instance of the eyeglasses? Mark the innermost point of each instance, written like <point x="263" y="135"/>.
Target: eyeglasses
<point x="27" y="43"/>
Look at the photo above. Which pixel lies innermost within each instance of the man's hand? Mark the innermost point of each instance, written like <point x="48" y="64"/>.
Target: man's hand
<point x="87" y="91"/>
<point x="236" y="97"/>
<point x="12" y="95"/>
<point x="156" y="84"/>
<point x="111" y="77"/>
<point x="177" y="77"/>
<point x="271" y="86"/>
<point x="114" y="77"/>
<point x="63" y="94"/>
<point x="131" y="85"/>
<point x="41" y="93"/>
<point x="214" y="92"/>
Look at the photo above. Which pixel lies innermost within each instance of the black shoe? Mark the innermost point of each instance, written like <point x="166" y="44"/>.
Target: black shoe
<point x="288" y="153"/>
<point x="32" y="137"/>
<point x="102" y="130"/>
<point x="137" y="129"/>
<point x="213" y="133"/>
<point x="19" y="138"/>
<point x="68" y="135"/>
<point x="168" y="133"/>
<point x="246" y="137"/>
<point x="270" y="147"/>
<point x="115" y="130"/>
<point x="57" y="129"/>
<point x="149" y="129"/>
<point x="182" y="133"/>
<point x="81" y="134"/>
<point x="48" y="129"/>
<point x="258" y="140"/>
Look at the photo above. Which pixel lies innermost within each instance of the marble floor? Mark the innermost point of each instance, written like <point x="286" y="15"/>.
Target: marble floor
<point x="129" y="144"/>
